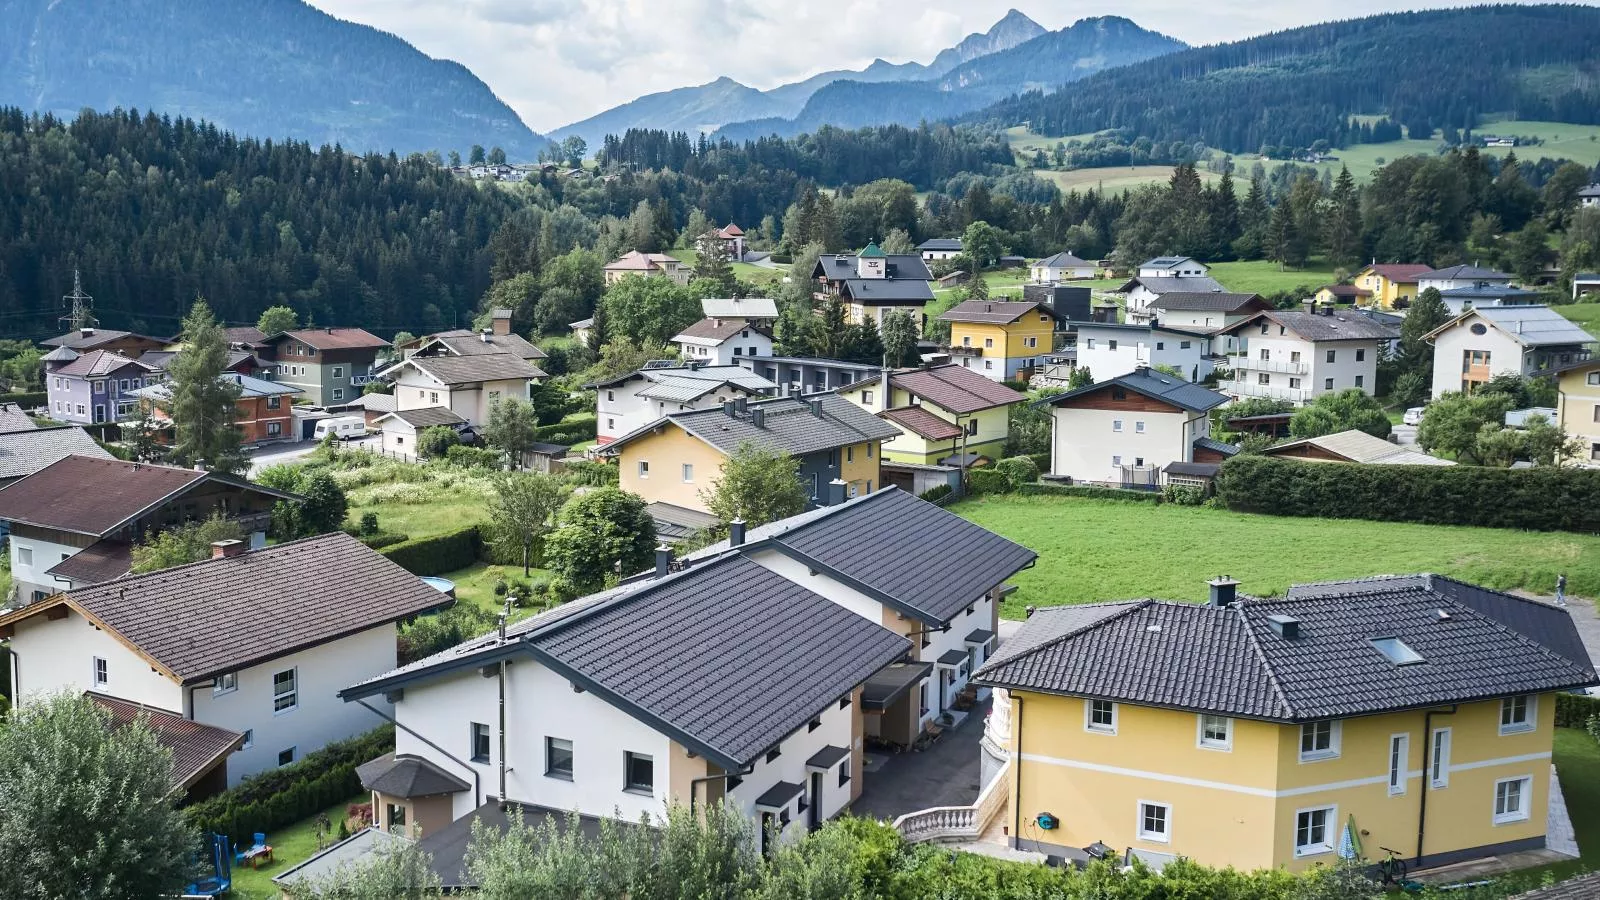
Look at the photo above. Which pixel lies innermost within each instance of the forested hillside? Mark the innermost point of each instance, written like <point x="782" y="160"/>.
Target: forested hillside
<point x="264" y="68"/>
<point x="1426" y="70"/>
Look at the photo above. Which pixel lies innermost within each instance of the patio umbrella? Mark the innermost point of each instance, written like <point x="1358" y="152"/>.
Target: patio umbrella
<point x="1349" y="841"/>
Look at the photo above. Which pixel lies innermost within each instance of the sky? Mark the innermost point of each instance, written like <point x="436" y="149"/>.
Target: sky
<point x="558" y="61"/>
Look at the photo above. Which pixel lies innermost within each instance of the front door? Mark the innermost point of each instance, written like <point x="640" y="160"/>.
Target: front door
<point x="815" y="818"/>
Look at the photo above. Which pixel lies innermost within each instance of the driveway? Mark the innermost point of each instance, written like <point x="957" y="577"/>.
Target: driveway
<point x="1405" y="435"/>
<point x="945" y="774"/>
<point x="272" y="454"/>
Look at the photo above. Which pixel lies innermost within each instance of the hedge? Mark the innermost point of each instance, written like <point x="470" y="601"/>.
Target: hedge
<point x="1042" y="460"/>
<point x="280" y="797"/>
<point x="438" y="554"/>
<point x="1538" y="499"/>
<point x="26" y="399"/>
<point x="1047" y="489"/>
<point x="576" y="429"/>
<point x="1574" y="710"/>
<point x="987" y="481"/>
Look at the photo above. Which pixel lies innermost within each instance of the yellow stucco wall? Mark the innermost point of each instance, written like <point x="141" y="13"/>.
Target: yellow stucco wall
<point x="1238" y="807"/>
<point x="1008" y="341"/>
<point x="858" y="465"/>
<point x="1384" y="291"/>
<point x="1579" y="412"/>
<point x="666" y="453"/>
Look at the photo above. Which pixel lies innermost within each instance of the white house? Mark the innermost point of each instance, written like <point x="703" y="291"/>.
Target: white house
<point x="1209" y="312"/>
<point x="939" y="248"/>
<point x="466" y="385"/>
<point x="720" y="342"/>
<point x="1454" y="277"/>
<point x="1108" y="350"/>
<point x="401" y="427"/>
<point x="1299" y="356"/>
<point x="1481" y="343"/>
<point x="1589" y="196"/>
<point x="636" y="399"/>
<point x="255" y="642"/>
<point x="1061" y="267"/>
<point x="1488" y="293"/>
<point x="746" y="309"/>
<point x="1125" y="431"/>
<point x="1165" y="275"/>
<point x="1173" y="267"/>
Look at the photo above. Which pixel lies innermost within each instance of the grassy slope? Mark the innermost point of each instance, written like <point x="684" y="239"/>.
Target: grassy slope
<point x="1264" y="277"/>
<point x="1093" y="550"/>
<point x="743" y="271"/>
<point x="1586" y="315"/>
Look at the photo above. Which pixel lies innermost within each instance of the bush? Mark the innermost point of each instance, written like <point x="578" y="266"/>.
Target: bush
<point x="25" y="399"/>
<point x="369" y="523"/>
<point x="474" y="457"/>
<point x="382" y="539"/>
<point x="430" y="634"/>
<point x="436" y="441"/>
<point x="1046" y="489"/>
<point x="1018" y="470"/>
<point x="1544" y="498"/>
<point x="592" y="472"/>
<point x="937" y="492"/>
<point x="1041" y="461"/>
<point x="1183" y="495"/>
<point x="1576" y="710"/>
<point x="283" y="796"/>
<point x="438" y="554"/>
<point x="987" y="481"/>
<point x="574" y="430"/>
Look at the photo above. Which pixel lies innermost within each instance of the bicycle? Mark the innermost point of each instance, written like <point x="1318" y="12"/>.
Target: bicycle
<point x="1392" y="868"/>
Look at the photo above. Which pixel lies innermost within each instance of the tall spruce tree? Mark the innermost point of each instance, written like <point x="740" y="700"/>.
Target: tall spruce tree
<point x="202" y="409"/>
<point x="1342" y="229"/>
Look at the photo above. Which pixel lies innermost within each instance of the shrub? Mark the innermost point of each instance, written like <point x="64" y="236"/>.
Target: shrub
<point x="282" y="796"/>
<point x="575" y="429"/>
<point x="937" y="492"/>
<point x="1183" y="495"/>
<point x="383" y="539"/>
<point x="474" y="457"/>
<point x="592" y="472"/>
<point x="987" y="481"/>
<point x="25" y="399"/>
<point x="436" y="441"/>
<point x="1041" y="461"/>
<point x="1544" y="498"/>
<point x="430" y="634"/>
<point x="1046" y="489"/>
<point x="369" y="523"/>
<point x="1018" y="470"/>
<point x="438" y="554"/>
<point x="1576" y="710"/>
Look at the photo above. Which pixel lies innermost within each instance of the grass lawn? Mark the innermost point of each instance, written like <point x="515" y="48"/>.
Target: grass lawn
<point x="1114" y="179"/>
<point x="290" y="847"/>
<point x="475" y="585"/>
<point x="1085" y="546"/>
<point x="1587" y="315"/>
<point x="1260" y="276"/>
<point x="742" y="271"/>
<point x="1577" y="759"/>
<point x="444" y="511"/>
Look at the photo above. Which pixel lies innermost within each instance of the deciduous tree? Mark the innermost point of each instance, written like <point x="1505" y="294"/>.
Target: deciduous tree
<point x="512" y="428"/>
<point x="604" y="534"/>
<point x="276" y="319"/>
<point x="202" y="406"/>
<point x="1346" y="410"/>
<point x="899" y="336"/>
<point x="756" y="484"/>
<point x="184" y="544"/>
<point x="522" y="511"/>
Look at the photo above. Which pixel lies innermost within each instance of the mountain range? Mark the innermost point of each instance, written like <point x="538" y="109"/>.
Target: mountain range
<point x="707" y="107"/>
<point x="267" y="68"/>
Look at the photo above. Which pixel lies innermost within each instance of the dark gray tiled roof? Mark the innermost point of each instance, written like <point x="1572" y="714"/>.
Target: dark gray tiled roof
<point x="780" y="795"/>
<point x="1216" y="446"/>
<point x="676" y="523"/>
<point x="1063" y="260"/>
<point x="467" y="369"/>
<point x="1210" y="300"/>
<point x="841" y="266"/>
<point x="952" y="657"/>
<point x="1194" y="470"/>
<point x="788" y="425"/>
<point x="1151" y="383"/>
<point x="1583" y="887"/>
<point x="908" y="552"/>
<point x="888" y="290"/>
<point x="979" y="636"/>
<point x="988" y="312"/>
<point x="940" y="244"/>
<point x="1164" y="284"/>
<point x="1340" y="325"/>
<point x="25" y="452"/>
<point x="77" y="340"/>
<point x="407" y="776"/>
<point x="13" y="419"/>
<point x="890" y="684"/>
<point x="104" y="560"/>
<point x="426" y="417"/>
<point x="1458" y="273"/>
<point x="827" y="757"/>
<point x="1232" y="662"/>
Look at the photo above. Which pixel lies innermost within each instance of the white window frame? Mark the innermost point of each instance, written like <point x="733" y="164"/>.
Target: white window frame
<point x="1439" y="759"/>
<point x="1161" y="837"/>
<point x="24" y="555"/>
<point x="226" y="683"/>
<point x="1335" y="730"/>
<point x="688" y="473"/>
<point x="1399" y="763"/>
<point x="293" y="693"/>
<point x="644" y="469"/>
<point x="1208" y="743"/>
<point x="1116" y="425"/>
<point x="1138" y="427"/>
<point x="1530" y="714"/>
<point x="100" y="671"/>
<point x="1524" y="795"/>
<point x="1088" y="717"/>
<point x="1330" y="824"/>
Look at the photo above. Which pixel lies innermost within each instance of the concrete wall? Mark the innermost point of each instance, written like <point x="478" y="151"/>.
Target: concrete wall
<point x="1579" y="412"/>
<point x="29" y="543"/>
<point x="1140" y="347"/>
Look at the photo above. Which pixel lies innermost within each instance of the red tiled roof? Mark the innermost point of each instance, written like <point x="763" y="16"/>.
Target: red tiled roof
<point x="196" y="748"/>
<point x="733" y="230"/>
<point x="955" y="388"/>
<point x="922" y="423"/>
<point x="336" y="338"/>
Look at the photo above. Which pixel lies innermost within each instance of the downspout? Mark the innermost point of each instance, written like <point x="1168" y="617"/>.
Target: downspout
<point x="189" y="711"/>
<point x="16" y="675"/>
<point x="1016" y="715"/>
<point x="502" y="686"/>
<point x="476" y="789"/>
<point x="706" y="779"/>
<point x="1427" y="773"/>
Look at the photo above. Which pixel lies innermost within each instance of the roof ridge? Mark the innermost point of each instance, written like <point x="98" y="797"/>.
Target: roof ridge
<point x="1266" y="663"/>
<point x="1131" y="606"/>
<point x="1539" y="646"/>
<point x="122" y="583"/>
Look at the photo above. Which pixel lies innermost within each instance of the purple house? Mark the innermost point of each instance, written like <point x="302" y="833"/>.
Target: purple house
<point x="96" y="386"/>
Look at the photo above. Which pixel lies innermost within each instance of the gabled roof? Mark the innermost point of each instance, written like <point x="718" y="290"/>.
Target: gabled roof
<point x="841" y="266"/>
<point x="1215" y="446"/>
<point x="912" y="555"/>
<point x="25" y="452"/>
<point x="163" y="359"/>
<point x="1064" y="260"/>
<point x="1581" y="887"/>
<point x="1150" y="383"/>
<point x="1360" y="447"/>
<point x="248" y="387"/>
<point x="244" y="334"/>
<point x="1491" y="290"/>
<point x="332" y="338"/>
<point x="1399" y="273"/>
<point x="1233" y="661"/>
<point x="1592" y="190"/>
<point x="1165" y="262"/>
<point x="712" y="376"/>
<point x="634" y="261"/>
<point x="13" y="419"/>
<point x="1210" y="301"/>
<point x="99" y="364"/>
<point x="991" y="312"/>
<point x="783" y="654"/>
<point x="956" y="388"/>
<point x="887" y="290"/>
<point x="1530" y="326"/>
<point x="452" y="370"/>
<point x="1345" y="290"/>
<point x="941" y="244"/>
<point x="196" y="621"/>
<point x="1339" y="325"/>
<point x="739" y="307"/>
<point x="375" y="403"/>
<point x="1163" y="284"/>
<point x="77" y="340"/>
<point x="790" y="425"/>
<point x="922" y="423"/>
<point x="716" y="331"/>
<point x="196" y="748"/>
<point x="462" y="342"/>
<point x="96" y="496"/>
<point x="1459" y="273"/>
<point x="425" y="417"/>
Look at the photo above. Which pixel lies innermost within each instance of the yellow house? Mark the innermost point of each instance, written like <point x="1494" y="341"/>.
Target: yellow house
<point x="1413" y="713"/>
<point x="676" y="460"/>
<point x="942" y="412"/>
<point x="1578" y="411"/>
<point x="1002" y="340"/>
<point x="1390" y="283"/>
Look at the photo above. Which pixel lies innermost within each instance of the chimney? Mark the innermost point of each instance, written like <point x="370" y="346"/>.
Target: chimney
<point x="1287" y="627"/>
<point x="736" y="533"/>
<point x="502" y="323"/>
<point x="739" y="405"/>
<point x="815" y="404"/>
<point x="727" y="408"/>
<point x="230" y="548"/>
<point x="484" y="336"/>
<point x="836" y="492"/>
<point x="663" y="559"/>
<point x="758" y="417"/>
<point x="86" y="331"/>
<point x="1224" y="591"/>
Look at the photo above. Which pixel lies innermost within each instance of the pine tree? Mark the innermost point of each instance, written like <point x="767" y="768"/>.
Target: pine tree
<point x="1284" y="238"/>
<point x="1254" y="219"/>
<point x="1343" y="226"/>
<point x="202" y="409"/>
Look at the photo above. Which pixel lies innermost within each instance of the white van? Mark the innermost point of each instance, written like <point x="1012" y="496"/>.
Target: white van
<point x="343" y="427"/>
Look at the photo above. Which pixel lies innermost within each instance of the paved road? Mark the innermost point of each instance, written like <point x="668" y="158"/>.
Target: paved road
<point x="1405" y="435"/>
<point x="272" y="454"/>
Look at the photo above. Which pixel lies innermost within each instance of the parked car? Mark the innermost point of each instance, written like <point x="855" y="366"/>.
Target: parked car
<point x="342" y="427"/>
<point x="1413" y="416"/>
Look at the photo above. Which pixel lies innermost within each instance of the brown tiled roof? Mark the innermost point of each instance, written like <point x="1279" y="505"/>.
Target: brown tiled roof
<point x="1346" y="290"/>
<point x="426" y="417"/>
<point x="466" y="369"/>
<point x="922" y="423"/>
<point x="219" y="615"/>
<point x="244" y="334"/>
<point x="196" y="748"/>
<point x="466" y="343"/>
<point x="955" y="388"/>
<point x="719" y="330"/>
<point x="336" y="338"/>
<point x="988" y="312"/>
<point x="100" y="562"/>
<point x="77" y="340"/>
<point x="95" y="496"/>
<point x="99" y="363"/>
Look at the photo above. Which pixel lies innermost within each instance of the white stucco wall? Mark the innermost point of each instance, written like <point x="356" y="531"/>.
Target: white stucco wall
<point x="1353" y="361"/>
<point x="1137" y="348"/>
<point x="1084" y="442"/>
<point x="749" y="342"/>
<point x="30" y="576"/>
<point x="793" y="751"/>
<point x="621" y="410"/>
<point x="58" y="655"/>
<point x="1505" y="355"/>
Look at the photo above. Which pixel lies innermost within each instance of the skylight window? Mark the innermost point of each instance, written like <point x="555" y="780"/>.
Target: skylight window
<point x="1396" y="651"/>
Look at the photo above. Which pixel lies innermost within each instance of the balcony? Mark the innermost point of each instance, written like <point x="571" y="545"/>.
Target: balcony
<point x="960" y="350"/>
<point x="1244" y="362"/>
<point x="360" y="380"/>
<point x="1270" y="391"/>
